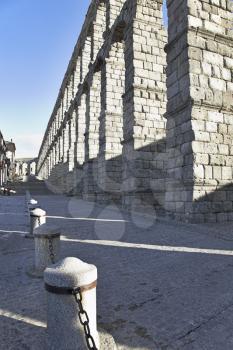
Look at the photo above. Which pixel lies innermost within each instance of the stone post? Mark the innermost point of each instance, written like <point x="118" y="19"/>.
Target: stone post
<point x="32" y="203"/>
<point x="64" y="328"/>
<point x="38" y="217"/>
<point x="47" y="247"/>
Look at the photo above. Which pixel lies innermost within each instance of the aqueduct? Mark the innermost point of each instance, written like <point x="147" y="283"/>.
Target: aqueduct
<point x="144" y="115"/>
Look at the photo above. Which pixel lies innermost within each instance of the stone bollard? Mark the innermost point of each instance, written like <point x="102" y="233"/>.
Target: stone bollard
<point x="37" y="218"/>
<point x="32" y="201"/>
<point x="47" y="248"/>
<point x="32" y="204"/>
<point x="64" y="328"/>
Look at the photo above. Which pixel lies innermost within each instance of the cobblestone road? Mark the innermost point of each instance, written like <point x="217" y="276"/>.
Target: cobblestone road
<point x="161" y="285"/>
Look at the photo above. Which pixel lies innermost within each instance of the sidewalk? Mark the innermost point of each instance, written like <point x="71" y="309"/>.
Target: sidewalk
<point x="161" y="285"/>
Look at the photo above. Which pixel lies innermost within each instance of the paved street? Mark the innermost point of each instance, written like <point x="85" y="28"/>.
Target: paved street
<point x="161" y="285"/>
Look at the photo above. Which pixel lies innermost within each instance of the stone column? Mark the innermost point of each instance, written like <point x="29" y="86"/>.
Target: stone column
<point x="61" y="152"/>
<point x="99" y="28"/>
<point x="54" y="128"/>
<point x="63" y="107"/>
<point x="49" y="138"/>
<point x="144" y="107"/>
<point x="59" y="117"/>
<point x="53" y="157"/>
<point x="87" y="54"/>
<point x="113" y="10"/>
<point x="57" y="151"/>
<point x="65" y="143"/>
<point x="72" y="136"/>
<point x="111" y="124"/>
<point x="47" y="167"/>
<point x="50" y="163"/>
<point x="77" y="75"/>
<point x="92" y="138"/>
<point x="69" y="91"/>
<point x="79" y="150"/>
<point x="199" y="110"/>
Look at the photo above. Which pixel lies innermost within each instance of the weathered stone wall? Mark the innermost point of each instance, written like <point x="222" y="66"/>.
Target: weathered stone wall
<point x="120" y="131"/>
<point x="199" y="110"/>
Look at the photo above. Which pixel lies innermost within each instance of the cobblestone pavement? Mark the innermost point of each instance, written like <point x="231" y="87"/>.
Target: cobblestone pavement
<point x="161" y="285"/>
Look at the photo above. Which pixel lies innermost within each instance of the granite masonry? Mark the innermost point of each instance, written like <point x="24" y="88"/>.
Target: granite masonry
<point x="144" y="116"/>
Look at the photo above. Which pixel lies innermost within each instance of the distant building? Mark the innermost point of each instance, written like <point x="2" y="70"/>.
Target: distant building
<point x="3" y="161"/>
<point x="10" y="154"/>
<point x="7" y="160"/>
<point x="25" y="166"/>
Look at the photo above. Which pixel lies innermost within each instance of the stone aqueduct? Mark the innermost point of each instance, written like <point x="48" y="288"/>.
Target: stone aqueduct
<point x="144" y="116"/>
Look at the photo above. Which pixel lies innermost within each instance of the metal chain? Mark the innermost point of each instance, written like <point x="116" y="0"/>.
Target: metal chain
<point x="84" y="319"/>
<point x="51" y="252"/>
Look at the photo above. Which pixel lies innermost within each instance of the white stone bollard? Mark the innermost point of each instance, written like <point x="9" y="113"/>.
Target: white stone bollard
<point x="32" y="204"/>
<point x="37" y="218"/>
<point x="32" y="201"/>
<point x="64" y="328"/>
<point x="47" y="247"/>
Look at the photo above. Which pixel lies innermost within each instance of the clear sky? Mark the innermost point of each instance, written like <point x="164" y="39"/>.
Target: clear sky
<point x="37" y="38"/>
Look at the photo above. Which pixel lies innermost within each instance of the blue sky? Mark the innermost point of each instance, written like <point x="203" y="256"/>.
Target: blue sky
<point x="37" y="39"/>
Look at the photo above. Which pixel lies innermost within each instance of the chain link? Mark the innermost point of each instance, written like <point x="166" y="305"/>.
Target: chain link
<point x="51" y="252"/>
<point x="84" y="320"/>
